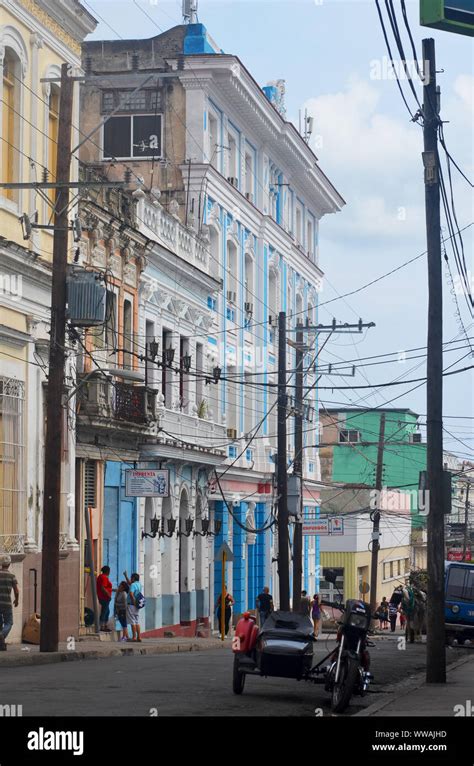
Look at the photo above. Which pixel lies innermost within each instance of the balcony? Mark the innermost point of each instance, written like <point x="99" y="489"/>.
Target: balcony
<point x="159" y="225"/>
<point x="191" y="432"/>
<point x="111" y="402"/>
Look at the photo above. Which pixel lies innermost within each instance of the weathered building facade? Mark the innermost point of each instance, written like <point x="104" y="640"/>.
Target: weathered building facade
<point x="224" y="160"/>
<point x="36" y="38"/>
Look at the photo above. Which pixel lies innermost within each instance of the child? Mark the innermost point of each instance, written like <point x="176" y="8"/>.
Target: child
<point x="120" y="608"/>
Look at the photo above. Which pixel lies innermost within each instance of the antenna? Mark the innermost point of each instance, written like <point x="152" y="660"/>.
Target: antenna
<point x="190" y="8"/>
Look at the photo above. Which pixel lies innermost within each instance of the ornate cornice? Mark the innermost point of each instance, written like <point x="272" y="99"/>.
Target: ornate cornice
<point x="56" y="29"/>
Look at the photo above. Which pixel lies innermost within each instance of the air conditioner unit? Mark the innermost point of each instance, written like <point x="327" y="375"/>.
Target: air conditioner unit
<point x="231" y="296"/>
<point x="248" y="307"/>
<point x="232" y="433"/>
<point x="232" y="180"/>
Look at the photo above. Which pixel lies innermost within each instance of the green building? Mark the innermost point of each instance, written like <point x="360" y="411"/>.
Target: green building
<point x="348" y="453"/>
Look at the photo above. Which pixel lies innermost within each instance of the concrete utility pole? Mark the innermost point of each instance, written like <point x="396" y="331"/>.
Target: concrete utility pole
<point x="298" y="471"/>
<point x="435" y="630"/>
<point x="374" y="563"/>
<point x="282" y="478"/>
<point x="49" y="637"/>
<point x="466" y="522"/>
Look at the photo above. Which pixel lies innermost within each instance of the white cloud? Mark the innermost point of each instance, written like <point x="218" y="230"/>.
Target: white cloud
<point x="374" y="160"/>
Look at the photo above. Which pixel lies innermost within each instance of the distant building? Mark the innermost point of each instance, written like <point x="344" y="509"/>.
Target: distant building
<point x="348" y="453"/>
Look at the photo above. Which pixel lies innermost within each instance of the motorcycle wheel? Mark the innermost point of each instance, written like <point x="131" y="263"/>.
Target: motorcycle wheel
<point x="343" y="689"/>
<point x="238" y="678"/>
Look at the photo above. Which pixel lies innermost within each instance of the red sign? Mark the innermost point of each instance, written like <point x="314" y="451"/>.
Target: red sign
<point x="455" y="554"/>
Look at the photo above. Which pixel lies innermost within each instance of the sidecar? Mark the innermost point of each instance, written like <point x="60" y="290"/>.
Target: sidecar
<point x="283" y="647"/>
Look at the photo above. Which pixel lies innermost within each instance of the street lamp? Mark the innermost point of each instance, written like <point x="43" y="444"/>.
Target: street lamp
<point x="154" y="528"/>
<point x="189" y="523"/>
<point x="154" y="348"/>
<point x="216" y="373"/>
<point x="169" y="355"/>
<point x="171" y="524"/>
<point x="204" y="528"/>
<point x="186" y="362"/>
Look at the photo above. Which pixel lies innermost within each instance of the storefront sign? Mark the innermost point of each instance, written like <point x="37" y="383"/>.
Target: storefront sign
<point x="147" y="483"/>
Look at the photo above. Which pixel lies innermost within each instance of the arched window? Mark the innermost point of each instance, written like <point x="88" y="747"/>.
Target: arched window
<point x="9" y="120"/>
<point x="53" y="124"/>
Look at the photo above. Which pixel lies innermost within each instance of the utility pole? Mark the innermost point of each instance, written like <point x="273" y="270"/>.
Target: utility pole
<point x="49" y="637"/>
<point x="282" y="478"/>
<point x="374" y="563"/>
<point x="298" y="471"/>
<point x="299" y="447"/>
<point x="466" y="522"/>
<point x="435" y="630"/>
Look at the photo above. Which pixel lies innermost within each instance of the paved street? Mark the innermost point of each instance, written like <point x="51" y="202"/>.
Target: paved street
<point x="186" y="684"/>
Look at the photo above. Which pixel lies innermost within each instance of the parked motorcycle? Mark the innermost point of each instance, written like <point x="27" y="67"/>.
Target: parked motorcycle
<point x="283" y="648"/>
<point x="348" y="672"/>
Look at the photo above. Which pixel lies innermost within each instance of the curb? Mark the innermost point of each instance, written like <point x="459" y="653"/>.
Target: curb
<point x="93" y="654"/>
<point x="391" y="693"/>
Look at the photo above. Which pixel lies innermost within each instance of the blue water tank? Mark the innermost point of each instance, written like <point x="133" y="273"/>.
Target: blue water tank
<point x="86" y="298"/>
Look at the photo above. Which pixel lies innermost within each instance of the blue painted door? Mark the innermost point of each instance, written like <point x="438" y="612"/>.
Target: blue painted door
<point x="120" y="526"/>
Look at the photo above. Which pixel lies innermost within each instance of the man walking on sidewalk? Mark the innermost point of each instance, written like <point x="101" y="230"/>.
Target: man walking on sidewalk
<point x="8" y="583"/>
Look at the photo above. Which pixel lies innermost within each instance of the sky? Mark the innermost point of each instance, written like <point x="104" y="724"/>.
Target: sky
<point x="333" y="58"/>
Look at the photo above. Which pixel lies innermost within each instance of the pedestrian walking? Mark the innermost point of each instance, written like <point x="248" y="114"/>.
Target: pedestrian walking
<point x="264" y="604"/>
<point x="8" y="583"/>
<point x="104" y="594"/>
<point x="305" y="604"/>
<point x="120" y="608"/>
<point x="133" y="601"/>
<point x="392" y="615"/>
<point x="383" y="614"/>
<point x="403" y="619"/>
<point x="316" y="613"/>
<point x="229" y="602"/>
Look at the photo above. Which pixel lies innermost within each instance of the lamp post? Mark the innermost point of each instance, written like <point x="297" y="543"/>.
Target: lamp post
<point x="171" y="524"/>
<point x="154" y="528"/>
<point x="189" y="523"/>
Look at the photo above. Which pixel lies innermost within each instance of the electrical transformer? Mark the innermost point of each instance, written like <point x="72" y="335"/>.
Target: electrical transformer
<point x="86" y="298"/>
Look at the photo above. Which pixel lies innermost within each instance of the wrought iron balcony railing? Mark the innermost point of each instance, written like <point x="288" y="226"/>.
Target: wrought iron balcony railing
<point x="103" y="398"/>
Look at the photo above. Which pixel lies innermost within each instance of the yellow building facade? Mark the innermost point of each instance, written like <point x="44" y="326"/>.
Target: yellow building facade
<point x="36" y="38"/>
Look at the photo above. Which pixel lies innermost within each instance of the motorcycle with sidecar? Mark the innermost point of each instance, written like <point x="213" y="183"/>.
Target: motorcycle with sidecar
<point x="283" y="647"/>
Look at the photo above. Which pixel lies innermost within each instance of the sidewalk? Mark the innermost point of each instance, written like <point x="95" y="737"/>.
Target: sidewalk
<point x="415" y="697"/>
<point x="29" y="654"/>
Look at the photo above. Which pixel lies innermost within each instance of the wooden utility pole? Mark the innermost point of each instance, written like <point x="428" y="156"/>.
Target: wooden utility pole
<point x="374" y="564"/>
<point x="298" y="471"/>
<point x="282" y="478"/>
<point x="49" y="637"/>
<point x="435" y="630"/>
